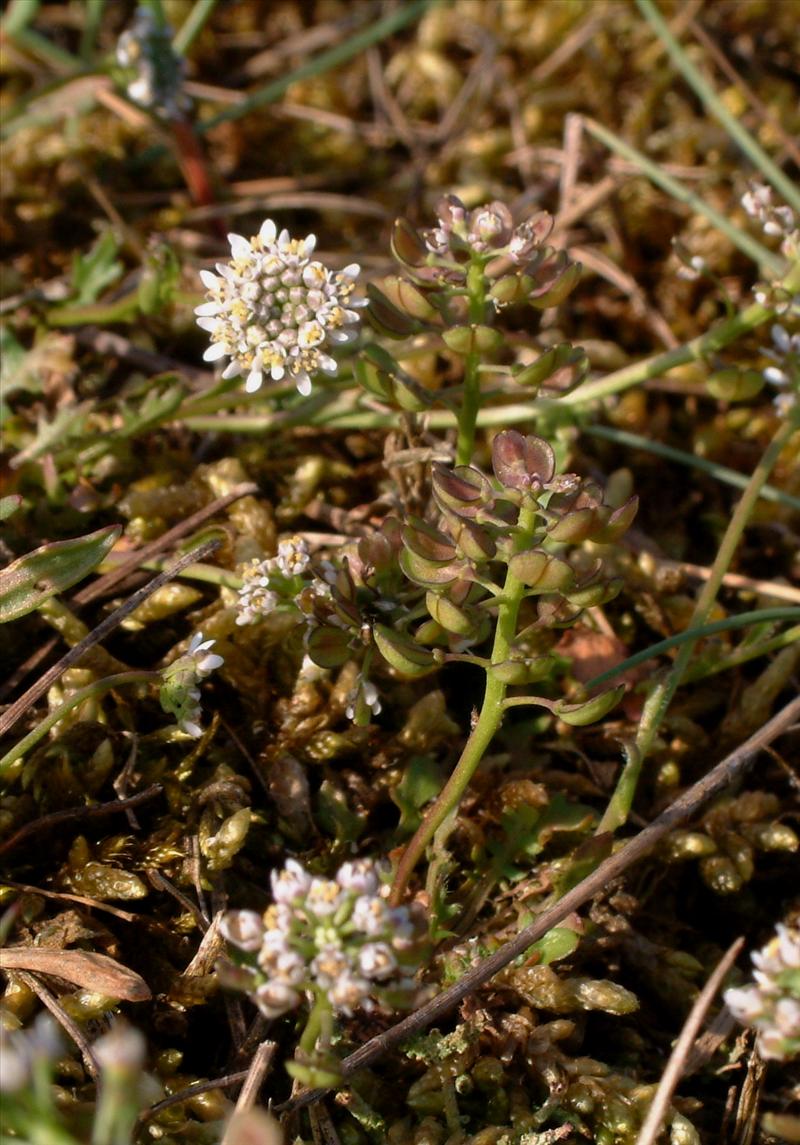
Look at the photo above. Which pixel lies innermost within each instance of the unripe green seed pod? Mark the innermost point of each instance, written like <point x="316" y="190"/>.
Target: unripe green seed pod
<point x="734" y="384"/>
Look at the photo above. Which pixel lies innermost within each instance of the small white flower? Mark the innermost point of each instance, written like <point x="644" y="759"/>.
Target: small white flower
<point x="242" y="928"/>
<point x="276" y="998"/>
<point x="293" y="556"/>
<point x="291" y="884"/>
<point x="205" y="660"/>
<point x="273" y="310"/>
<point x="360" y="875"/>
<point x="323" y="898"/>
<point x="772" y="1004"/>
<point x="376" y="960"/>
<point x="349" y="993"/>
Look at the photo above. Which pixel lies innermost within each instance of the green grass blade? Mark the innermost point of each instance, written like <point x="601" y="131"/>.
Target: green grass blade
<point x="758" y="616"/>
<point x="91" y="26"/>
<point x="387" y="25"/>
<point x="193" y="25"/>
<point x="713" y="104"/>
<point x="713" y="468"/>
<point x="745" y="242"/>
<point x="18" y="15"/>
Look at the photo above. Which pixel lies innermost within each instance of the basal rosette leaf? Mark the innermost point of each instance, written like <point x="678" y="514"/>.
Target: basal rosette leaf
<point x="33" y="579"/>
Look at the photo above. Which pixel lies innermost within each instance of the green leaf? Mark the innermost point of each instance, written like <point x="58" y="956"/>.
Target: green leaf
<point x="93" y="272"/>
<point x="422" y="781"/>
<point x="558" y="943"/>
<point x="335" y="817"/>
<point x="31" y="580"/>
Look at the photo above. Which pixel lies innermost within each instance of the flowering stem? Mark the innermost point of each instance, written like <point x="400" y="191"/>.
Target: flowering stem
<point x="484" y="728"/>
<point x="661" y="696"/>
<point x="709" y="343"/>
<point x="471" y="401"/>
<point x="87" y="693"/>
<point x="318" y="1025"/>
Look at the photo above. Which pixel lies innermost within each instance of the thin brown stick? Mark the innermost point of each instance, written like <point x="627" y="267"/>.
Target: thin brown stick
<point x="64" y="896"/>
<point x="720" y="777"/>
<point x="193" y="1091"/>
<point x="76" y="814"/>
<point x="259" y="1067"/>
<point x="64" y="1020"/>
<point x="677" y="1059"/>
<point x="103" y="629"/>
<point x="129" y="564"/>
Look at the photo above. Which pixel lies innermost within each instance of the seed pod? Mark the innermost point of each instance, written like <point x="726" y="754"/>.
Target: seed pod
<point x="734" y="384"/>
<point x="404" y="654"/>
<point x="559" y="370"/>
<point x="472" y="339"/>
<point x="407" y="244"/>
<point x="329" y="647"/>
<point x="555" y="280"/>
<point x="449" y="615"/>
<point x="541" y="571"/>
<point x="427" y="573"/>
<point x="521" y="462"/>
<point x="386" y="317"/>
<point x="578" y="715"/>
<point x="618" y="523"/>
<point x="464" y="490"/>
<point x="425" y="541"/>
<point x="407" y="298"/>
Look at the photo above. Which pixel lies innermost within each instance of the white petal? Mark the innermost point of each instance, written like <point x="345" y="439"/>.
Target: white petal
<point x="352" y="270"/>
<point x="277" y="372"/>
<point x="303" y="383"/>
<point x="215" y="352"/>
<point x="209" y="308"/>
<point x="267" y="231"/>
<point x="209" y="324"/>
<point x="232" y="370"/>
<point x="209" y="280"/>
<point x="254" y="380"/>
<point x="240" y="247"/>
<point x="309" y="243"/>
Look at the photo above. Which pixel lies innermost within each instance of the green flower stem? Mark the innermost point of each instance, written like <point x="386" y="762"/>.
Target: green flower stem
<point x="318" y="1025"/>
<point x="485" y="727"/>
<point x="87" y="693"/>
<point x="709" y="343"/>
<point x="741" y="239"/>
<point x="660" y="697"/>
<point x="717" y="107"/>
<point x="471" y="400"/>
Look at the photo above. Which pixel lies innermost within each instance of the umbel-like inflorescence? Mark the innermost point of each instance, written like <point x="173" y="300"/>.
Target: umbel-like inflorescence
<point x="771" y="1004"/>
<point x="267" y="582"/>
<point x="335" y="939"/>
<point x="275" y="311"/>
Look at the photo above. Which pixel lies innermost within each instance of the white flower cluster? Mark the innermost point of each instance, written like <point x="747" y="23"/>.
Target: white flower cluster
<point x="771" y="1004"/>
<point x="159" y="70"/>
<point x="264" y="580"/>
<point x="273" y="310"/>
<point x="333" y="938"/>
<point x="777" y="221"/>
<point x="179" y="693"/>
